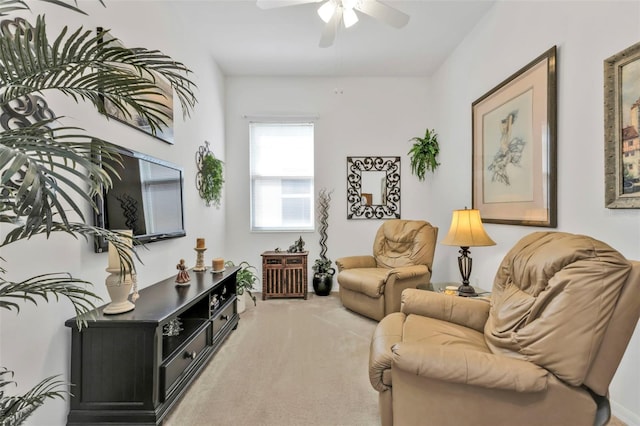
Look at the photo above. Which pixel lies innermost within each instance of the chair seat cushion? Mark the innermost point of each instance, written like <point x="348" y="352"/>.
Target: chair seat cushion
<point x="442" y="333"/>
<point x="369" y="281"/>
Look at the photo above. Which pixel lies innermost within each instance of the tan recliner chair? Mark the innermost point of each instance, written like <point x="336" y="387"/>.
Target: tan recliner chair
<point x="542" y="351"/>
<point x="402" y="258"/>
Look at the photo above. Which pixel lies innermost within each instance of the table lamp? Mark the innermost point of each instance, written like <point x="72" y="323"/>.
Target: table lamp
<point x="466" y="231"/>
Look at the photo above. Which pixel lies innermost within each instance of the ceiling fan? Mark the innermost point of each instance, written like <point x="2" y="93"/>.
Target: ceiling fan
<point x="333" y="12"/>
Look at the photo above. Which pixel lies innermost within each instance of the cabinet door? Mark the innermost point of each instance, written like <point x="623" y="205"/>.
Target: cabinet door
<point x="272" y="275"/>
<point x="112" y="369"/>
<point x="294" y="272"/>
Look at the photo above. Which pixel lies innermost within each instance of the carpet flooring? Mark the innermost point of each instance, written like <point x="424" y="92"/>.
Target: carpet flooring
<point x="291" y="362"/>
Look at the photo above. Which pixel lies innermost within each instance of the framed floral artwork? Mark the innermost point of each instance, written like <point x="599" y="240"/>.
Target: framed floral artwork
<point x="514" y="147"/>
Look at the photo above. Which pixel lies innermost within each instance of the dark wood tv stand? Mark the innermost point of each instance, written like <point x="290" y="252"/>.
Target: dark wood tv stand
<point x="125" y="370"/>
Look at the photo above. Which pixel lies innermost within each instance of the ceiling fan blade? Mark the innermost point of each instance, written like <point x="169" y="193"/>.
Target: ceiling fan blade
<point x="331" y="29"/>
<point x="272" y="4"/>
<point x="384" y="13"/>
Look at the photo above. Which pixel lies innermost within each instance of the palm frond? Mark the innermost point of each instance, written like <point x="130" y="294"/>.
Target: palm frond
<point x="8" y="6"/>
<point x="121" y="242"/>
<point x="85" y="67"/>
<point x="49" y="286"/>
<point x="39" y="166"/>
<point x="14" y="410"/>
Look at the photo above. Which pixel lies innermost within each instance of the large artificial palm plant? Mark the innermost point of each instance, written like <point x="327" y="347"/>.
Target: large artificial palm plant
<point x="48" y="171"/>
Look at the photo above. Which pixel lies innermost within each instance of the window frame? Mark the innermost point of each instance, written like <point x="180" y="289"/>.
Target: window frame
<point x="254" y="178"/>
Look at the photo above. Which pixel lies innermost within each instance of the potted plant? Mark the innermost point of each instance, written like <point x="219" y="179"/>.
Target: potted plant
<point x="210" y="178"/>
<point x="246" y="279"/>
<point x="323" y="276"/>
<point x="424" y="153"/>
<point x="47" y="167"/>
<point x="322" y="270"/>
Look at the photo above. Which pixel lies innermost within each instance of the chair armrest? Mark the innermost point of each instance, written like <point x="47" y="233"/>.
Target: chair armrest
<point x="351" y="262"/>
<point x="406" y="272"/>
<point x="387" y="333"/>
<point x="400" y="279"/>
<point x="469" y="367"/>
<point x="465" y="311"/>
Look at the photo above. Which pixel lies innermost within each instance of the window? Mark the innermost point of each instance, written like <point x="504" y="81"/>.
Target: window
<point x="281" y="176"/>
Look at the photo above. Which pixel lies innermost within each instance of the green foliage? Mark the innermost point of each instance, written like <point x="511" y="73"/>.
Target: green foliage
<point x="424" y="153"/>
<point x="212" y="179"/>
<point x="246" y="279"/>
<point x="323" y="266"/>
<point x="50" y="172"/>
<point x="16" y="409"/>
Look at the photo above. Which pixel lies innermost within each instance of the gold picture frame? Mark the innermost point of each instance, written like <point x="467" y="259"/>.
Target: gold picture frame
<point x="514" y="147"/>
<point x="621" y="129"/>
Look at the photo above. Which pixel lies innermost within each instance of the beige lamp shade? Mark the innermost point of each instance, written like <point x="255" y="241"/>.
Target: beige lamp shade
<point x="466" y="230"/>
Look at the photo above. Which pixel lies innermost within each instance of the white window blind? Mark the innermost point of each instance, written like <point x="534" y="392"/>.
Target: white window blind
<point x="281" y="157"/>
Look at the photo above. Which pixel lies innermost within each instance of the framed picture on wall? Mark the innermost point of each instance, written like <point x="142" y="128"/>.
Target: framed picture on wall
<point x="163" y="103"/>
<point x="514" y="147"/>
<point x="621" y="129"/>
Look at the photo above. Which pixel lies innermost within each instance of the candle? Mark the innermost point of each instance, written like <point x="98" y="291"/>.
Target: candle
<point x="218" y="264"/>
<point x="199" y="243"/>
<point x="114" y="259"/>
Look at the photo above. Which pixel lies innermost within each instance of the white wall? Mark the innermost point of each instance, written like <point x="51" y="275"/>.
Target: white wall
<point x="35" y="343"/>
<point x="510" y="36"/>
<point x="355" y="117"/>
<point x="372" y="116"/>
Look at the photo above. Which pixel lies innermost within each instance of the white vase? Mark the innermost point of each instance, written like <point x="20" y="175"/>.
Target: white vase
<point x="119" y="289"/>
<point x="241" y="303"/>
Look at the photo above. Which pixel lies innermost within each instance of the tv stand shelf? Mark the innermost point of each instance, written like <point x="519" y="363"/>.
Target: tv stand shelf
<point x="130" y="368"/>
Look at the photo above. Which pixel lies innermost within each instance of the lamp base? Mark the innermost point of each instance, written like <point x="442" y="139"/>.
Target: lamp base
<point x="465" y="290"/>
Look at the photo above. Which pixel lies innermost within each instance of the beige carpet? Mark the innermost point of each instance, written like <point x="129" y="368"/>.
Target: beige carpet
<point x="290" y="362"/>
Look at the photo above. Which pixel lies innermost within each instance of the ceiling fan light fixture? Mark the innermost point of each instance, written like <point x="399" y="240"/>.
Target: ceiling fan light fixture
<point x="327" y="10"/>
<point x="349" y="17"/>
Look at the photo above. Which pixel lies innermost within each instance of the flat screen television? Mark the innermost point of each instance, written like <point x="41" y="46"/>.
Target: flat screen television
<point x="148" y="199"/>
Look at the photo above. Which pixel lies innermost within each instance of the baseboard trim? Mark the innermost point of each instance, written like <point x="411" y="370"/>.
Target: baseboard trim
<point x="624" y="414"/>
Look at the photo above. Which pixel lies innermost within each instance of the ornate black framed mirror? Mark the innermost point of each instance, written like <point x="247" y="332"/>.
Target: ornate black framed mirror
<point x="373" y="187"/>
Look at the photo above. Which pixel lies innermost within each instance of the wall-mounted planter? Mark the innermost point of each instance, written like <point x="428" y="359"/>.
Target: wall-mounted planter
<point x="210" y="176"/>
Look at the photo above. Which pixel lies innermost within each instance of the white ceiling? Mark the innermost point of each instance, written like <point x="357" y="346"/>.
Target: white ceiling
<point x="246" y="40"/>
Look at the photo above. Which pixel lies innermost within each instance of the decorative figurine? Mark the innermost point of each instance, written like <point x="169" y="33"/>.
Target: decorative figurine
<point x="297" y="247"/>
<point x="215" y="302"/>
<point x="172" y="328"/>
<point x="183" y="276"/>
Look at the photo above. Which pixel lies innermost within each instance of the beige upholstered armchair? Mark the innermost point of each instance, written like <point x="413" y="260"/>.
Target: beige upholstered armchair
<point x="402" y="258"/>
<point x="542" y="351"/>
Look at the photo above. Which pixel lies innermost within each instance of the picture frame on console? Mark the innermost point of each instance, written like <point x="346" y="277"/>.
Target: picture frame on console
<point x="514" y="147"/>
<point x="622" y="128"/>
<point x="130" y="117"/>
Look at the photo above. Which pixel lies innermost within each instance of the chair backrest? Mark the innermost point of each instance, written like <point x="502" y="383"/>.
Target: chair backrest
<point x="405" y="242"/>
<point x="555" y="299"/>
<point x="619" y="331"/>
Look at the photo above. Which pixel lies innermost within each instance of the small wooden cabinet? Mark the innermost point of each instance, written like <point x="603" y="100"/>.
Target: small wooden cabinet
<point x="284" y="274"/>
<point x="132" y="368"/>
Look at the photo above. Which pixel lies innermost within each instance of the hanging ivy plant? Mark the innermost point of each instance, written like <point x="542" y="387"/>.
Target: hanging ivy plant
<point x="210" y="176"/>
<point x="424" y="154"/>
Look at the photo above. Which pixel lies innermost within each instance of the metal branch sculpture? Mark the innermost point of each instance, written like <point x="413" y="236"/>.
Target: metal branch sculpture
<point x="324" y="199"/>
<point x="323" y="272"/>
